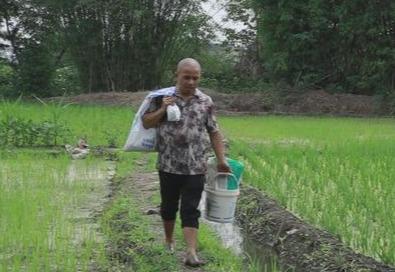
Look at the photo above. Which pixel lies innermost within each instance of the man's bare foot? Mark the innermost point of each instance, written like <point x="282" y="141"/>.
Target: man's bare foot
<point x="171" y="246"/>
<point x="193" y="261"/>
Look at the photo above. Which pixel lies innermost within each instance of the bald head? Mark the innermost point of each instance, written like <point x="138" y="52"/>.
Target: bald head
<point x="188" y="62"/>
<point x="188" y="76"/>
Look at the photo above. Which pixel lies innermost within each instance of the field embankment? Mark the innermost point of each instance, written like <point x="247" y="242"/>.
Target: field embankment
<point x="298" y="245"/>
<point x="317" y="102"/>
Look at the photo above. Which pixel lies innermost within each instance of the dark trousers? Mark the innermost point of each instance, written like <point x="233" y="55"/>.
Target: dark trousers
<point x="189" y="189"/>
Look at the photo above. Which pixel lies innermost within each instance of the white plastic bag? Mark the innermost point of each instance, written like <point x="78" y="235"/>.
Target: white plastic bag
<point x="173" y="113"/>
<point x="140" y="138"/>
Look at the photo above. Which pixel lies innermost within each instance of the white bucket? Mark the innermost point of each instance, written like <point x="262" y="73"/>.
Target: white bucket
<point x="221" y="205"/>
<point x="220" y="180"/>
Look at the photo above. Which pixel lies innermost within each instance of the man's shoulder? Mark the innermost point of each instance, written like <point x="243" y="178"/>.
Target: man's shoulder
<point x="204" y="97"/>
<point x="162" y="92"/>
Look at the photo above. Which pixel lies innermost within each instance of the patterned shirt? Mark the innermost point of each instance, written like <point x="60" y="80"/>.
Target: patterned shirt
<point x="183" y="145"/>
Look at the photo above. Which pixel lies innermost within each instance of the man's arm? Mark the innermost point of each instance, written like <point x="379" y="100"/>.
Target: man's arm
<point x="152" y="119"/>
<point x="219" y="150"/>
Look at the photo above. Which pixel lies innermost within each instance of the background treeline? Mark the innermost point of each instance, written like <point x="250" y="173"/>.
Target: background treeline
<point x="93" y="46"/>
<point x="341" y="45"/>
<point x="52" y="47"/>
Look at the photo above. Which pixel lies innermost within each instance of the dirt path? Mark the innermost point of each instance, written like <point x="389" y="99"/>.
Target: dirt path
<point x="142" y="185"/>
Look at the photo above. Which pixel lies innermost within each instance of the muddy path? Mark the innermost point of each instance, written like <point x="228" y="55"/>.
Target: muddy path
<point x="264" y="224"/>
<point x="143" y="185"/>
<point x="299" y="246"/>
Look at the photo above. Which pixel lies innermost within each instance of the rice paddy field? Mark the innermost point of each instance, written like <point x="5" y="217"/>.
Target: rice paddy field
<point x="45" y="197"/>
<point x="40" y="217"/>
<point x="335" y="173"/>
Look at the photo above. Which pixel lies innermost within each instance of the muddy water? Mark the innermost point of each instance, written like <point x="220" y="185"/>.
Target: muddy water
<point x="233" y="237"/>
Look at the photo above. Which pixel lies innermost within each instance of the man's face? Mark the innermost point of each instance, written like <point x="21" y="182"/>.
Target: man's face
<point x="188" y="78"/>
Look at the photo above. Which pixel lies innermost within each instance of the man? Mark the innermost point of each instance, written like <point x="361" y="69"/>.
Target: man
<point x="182" y="153"/>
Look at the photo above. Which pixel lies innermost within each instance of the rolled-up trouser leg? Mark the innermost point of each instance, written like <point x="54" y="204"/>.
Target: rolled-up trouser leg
<point x="170" y="194"/>
<point x="191" y="192"/>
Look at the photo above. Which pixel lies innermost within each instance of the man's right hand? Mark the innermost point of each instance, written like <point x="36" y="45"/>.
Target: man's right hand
<point x="152" y="119"/>
<point x="166" y="101"/>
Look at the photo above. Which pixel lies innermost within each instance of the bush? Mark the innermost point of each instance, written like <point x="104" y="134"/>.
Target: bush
<point x="26" y="133"/>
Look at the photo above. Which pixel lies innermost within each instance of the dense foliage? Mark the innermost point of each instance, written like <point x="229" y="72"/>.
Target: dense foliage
<point x="343" y="45"/>
<point x="53" y="47"/>
<point x="100" y="45"/>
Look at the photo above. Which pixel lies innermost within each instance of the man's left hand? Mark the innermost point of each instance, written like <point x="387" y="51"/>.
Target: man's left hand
<point x="223" y="167"/>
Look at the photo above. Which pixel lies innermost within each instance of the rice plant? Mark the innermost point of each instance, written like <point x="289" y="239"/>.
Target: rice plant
<point x="336" y="173"/>
<point x="40" y="203"/>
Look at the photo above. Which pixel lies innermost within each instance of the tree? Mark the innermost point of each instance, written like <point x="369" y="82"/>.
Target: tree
<point x="26" y="34"/>
<point x="129" y="44"/>
<point x="113" y="44"/>
<point x="346" y="45"/>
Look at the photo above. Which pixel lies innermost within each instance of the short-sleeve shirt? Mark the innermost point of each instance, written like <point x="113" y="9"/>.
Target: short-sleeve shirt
<point x="183" y="145"/>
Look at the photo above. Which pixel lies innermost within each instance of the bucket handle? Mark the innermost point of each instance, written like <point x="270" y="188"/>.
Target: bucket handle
<point x="224" y="174"/>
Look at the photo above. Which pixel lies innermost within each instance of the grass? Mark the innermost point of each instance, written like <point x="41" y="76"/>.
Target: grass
<point x="40" y="196"/>
<point x="133" y="245"/>
<point x="337" y="173"/>
<point x="38" y="200"/>
<point x="334" y="172"/>
<point x="98" y="124"/>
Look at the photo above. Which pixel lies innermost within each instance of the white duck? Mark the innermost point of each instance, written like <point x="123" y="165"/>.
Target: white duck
<point x="79" y="152"/>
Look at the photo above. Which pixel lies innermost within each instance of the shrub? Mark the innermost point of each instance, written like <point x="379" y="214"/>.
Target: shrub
<point x="20" y="132"/>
